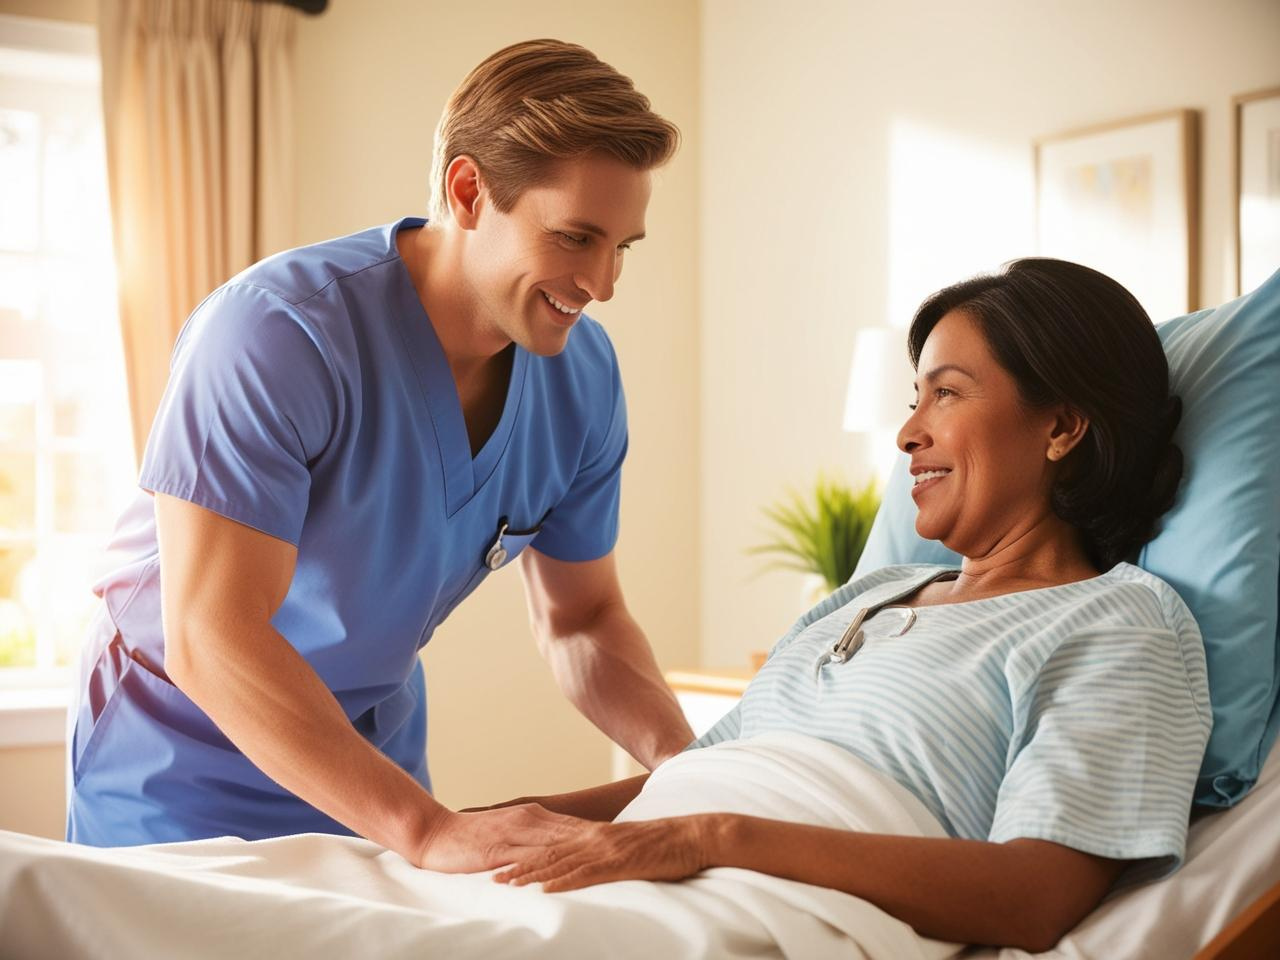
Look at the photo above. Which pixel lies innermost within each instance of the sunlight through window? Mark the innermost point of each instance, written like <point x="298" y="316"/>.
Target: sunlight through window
<point x="66" y="457"/>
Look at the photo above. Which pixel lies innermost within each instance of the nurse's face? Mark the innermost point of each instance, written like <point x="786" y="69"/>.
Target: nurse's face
<point x="979" y="458"/>
<point x="535" y="269"/>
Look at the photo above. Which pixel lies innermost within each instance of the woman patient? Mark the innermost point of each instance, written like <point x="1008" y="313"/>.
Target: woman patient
<point x="1046" y="701"/>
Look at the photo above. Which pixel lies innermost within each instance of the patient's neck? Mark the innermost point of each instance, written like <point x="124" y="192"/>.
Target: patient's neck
<point x="1048" y="553"/>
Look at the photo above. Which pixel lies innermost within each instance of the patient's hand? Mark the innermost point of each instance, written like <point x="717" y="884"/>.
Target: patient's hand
<point x="590" y="853"/>
<point x="467" y="842"/>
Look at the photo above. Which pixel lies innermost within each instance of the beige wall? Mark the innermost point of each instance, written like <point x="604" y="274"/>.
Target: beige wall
<point x="372" y="78"/>
<point x="32" y="799"/>
<point x="856" y="156"/>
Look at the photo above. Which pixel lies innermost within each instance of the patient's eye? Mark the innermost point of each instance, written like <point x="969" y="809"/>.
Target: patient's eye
<point x="574" y="239"/>
<point x="939" y="393"/>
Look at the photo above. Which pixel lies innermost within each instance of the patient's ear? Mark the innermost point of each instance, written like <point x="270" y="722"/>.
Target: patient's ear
<point x="1068" y="429"/>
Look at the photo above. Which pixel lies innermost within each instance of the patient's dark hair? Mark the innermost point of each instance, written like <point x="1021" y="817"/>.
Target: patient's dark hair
<point x="1071" y="335"/>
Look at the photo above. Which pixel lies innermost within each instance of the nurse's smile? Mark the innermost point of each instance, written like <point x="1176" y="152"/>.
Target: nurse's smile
<point x="561" y="313"/>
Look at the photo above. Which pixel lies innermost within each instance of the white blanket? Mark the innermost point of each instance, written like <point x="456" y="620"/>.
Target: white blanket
<point x="317" y="896"/>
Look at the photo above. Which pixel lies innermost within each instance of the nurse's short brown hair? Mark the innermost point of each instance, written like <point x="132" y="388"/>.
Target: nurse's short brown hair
<point x="534" y="104"/>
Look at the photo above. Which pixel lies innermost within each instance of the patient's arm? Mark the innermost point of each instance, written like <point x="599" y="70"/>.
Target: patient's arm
<point x="1024" y="893"/>
<point x="601" y="803"/>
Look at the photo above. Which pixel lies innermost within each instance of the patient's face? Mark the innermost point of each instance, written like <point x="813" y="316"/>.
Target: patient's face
<point x="978" y="456"/>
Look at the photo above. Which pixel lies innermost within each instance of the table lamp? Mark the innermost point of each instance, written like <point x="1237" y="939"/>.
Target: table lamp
<point x="880" y="388"/>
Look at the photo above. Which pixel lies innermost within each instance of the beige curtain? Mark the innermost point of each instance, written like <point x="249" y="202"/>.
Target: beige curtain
<point x="197" y="98"/>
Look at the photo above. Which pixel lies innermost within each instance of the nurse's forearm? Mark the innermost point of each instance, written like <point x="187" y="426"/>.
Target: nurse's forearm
<point x="607" y="670"/>
<point x="274" y="707"/>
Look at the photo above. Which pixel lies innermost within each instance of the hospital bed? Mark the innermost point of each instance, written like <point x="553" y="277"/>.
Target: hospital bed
<point x="322" y="896"/>
<point x="325" y="896"/>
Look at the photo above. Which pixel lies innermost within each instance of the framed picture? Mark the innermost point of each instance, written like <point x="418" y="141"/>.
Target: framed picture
<point x="1257" y="186"/>
<point x="1122" y="198"/>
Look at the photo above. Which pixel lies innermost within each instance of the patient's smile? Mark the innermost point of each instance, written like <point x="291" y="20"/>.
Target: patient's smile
<point x="929" y="475"/>
<point x="926" y="477"/>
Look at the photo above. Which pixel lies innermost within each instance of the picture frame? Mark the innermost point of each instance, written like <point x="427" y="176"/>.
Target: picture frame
<point x="1123" y="197"/>
<point x="1256" y="185"/>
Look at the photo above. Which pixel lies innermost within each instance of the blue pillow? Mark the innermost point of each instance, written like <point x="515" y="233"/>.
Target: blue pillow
<point x="1219" y="546"/>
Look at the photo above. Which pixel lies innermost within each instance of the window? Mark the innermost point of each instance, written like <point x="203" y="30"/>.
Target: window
<point x="66" y="454"/>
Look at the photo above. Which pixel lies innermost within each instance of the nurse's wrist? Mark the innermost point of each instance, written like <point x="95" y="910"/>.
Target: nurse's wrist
<point x="433" y="822"/>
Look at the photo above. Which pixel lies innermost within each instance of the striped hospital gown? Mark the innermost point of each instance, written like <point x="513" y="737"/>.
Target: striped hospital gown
<point x="1077" y="713"/>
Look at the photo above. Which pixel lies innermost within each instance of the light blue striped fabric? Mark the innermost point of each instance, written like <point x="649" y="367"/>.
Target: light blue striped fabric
<point x="1077" y="713"/>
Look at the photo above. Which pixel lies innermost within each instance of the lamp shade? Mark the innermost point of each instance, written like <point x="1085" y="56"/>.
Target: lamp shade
<point x="880" y="381"/>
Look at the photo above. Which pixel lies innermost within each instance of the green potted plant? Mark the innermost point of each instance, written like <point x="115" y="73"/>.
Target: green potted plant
<point x="822" y="534"/>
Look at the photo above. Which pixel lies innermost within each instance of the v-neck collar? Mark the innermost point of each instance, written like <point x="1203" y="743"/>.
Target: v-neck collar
<point x="464" y="475"/>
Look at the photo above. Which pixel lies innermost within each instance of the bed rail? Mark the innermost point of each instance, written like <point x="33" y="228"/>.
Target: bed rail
<point x="1253" y="934"/>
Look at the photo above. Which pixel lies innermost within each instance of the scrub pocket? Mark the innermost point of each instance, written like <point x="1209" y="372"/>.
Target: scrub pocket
<point x="384" y="719"/>
<point x="103" y="662"/>
<point x="514" y="544"/>
<point x="152" y="768"/>
<point x="397" y="726"/>
<point x="115" y="677"/>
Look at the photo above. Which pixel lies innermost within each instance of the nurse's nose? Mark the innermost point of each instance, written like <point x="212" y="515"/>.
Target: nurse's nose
<point x="599" y="277"/>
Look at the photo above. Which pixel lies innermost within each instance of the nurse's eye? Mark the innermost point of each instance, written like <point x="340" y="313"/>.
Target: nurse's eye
<point x="575" y="239"/>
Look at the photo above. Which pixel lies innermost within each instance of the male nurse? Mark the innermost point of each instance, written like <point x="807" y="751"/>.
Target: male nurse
<point x="354" y="435"/>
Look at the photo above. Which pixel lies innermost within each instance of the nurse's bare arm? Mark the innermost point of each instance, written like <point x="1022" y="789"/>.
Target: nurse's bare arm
<point x="221" y="583"/>
<point x="599" y="655"/>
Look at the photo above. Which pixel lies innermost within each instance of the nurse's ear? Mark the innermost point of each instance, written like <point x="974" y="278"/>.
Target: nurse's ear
<point x="462" y="187"/>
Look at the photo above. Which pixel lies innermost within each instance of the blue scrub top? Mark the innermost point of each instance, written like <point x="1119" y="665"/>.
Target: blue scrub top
<point x="310" y="398"/>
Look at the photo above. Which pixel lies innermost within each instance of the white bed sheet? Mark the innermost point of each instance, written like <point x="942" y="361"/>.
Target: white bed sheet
<point x="319" y="896"/>
<point x="1233" y="857"/>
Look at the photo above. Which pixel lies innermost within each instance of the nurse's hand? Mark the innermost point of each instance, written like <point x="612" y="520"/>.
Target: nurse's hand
<point x="468" y="842"/>
<point x="669" y="849"/>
